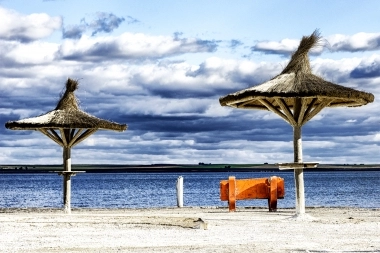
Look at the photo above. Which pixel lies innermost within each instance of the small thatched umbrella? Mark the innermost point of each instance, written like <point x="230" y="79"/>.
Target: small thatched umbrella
<point x="297" y="95"/>
<point x="67" y="125"/>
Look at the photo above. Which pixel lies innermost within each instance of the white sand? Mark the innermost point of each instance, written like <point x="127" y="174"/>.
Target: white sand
<point x="179" y="230"/>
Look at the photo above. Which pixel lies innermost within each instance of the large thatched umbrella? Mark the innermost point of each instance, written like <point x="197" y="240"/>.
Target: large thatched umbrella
<point x="297" y="95"/>
<point x="67" y="125"/>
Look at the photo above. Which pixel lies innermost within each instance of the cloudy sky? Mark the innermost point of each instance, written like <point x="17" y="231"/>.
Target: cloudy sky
<point x="161" y="66"/>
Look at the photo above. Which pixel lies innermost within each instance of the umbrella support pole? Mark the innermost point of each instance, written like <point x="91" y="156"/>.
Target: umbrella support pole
<point x="300" y="191"/>
<point x="67" y="179"/>
<point x="298" y="173"/>
<point x="67" y="193"/>
<point x="67" y="174"/>
<point x="298" y="168"/>
<point x="67" y="188"/>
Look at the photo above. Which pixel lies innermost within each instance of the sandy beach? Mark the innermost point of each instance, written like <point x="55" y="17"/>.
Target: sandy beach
<point x="189" y="229"/>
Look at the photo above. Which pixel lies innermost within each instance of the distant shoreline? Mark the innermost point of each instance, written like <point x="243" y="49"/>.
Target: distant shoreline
<point x="183" y="168"/>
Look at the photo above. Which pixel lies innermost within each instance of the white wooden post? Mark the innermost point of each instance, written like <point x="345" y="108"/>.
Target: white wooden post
<point x="298" y="172"/>
<point x="67" y="180"/>
<point x="180" y="191"/>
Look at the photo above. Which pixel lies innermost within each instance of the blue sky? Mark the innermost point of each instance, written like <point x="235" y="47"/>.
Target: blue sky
<point x="161" y="66"/>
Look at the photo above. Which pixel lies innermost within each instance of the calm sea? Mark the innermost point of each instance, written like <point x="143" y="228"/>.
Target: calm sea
<point x="143" y="190"/>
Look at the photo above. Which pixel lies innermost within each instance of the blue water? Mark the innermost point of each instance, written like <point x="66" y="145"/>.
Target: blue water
<point x="142" y="190"/>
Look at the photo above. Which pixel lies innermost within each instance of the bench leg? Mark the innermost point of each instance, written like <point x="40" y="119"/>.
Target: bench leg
<point x="272" y="200"/>
<point x="231" y="194"/>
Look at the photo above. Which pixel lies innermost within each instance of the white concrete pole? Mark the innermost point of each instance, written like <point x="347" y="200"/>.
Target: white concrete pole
<point x="67" y="180"/>
<point x="180" y="191"/>
<point x="298" y="173"/>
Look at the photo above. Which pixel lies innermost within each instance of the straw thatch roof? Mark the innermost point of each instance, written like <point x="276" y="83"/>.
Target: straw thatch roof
<point x="297" y="81"/>
<point x="66" y="115"/>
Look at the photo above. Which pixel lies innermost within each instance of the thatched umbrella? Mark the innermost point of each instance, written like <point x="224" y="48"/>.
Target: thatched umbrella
<point x="297" y="95"/>
<point x="67" y="125"/>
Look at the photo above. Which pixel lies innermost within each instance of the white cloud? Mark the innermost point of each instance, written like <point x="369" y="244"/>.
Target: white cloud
<point x="31" y="155"/>
<point x="284" y="46"/>
<point x="336" y="43"/>
<point x="169" y="107"/>
<point x="377" y="137"/>
<point x="357" y="42"/>
<point x="341" y="66"/>
<point x="16" y="26"/>
<point x="339" y="71"/>
<point x="215" y="110"/>
<point x="373" y="119"/>
<point x="319" y="144"/>
<point x="36" y="52"/>
<point x="24" y="113"/>
<point x="131" y="46"/>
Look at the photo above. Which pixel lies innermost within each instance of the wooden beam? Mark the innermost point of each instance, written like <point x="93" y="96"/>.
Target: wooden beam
<point x="75" y="137"/>
<point x="311" y="105"/>
<point x="302" y="111"/>
<point x="67" y="134"/>
<point x="296" y="108"/>
<point x="72" y="133"/>
<point x="57" y="140"/>
<point x="55" y="134"/>
<point x="296" y="166"/>
<point x="286" y="110"/>
<point x="316" y="110"/>
<point x="63" y="137"/>
<point x="273" y="109"/>
<point x="241" y="105"/>
<point x="243" y="100"/>
<point x="84" y="136"/>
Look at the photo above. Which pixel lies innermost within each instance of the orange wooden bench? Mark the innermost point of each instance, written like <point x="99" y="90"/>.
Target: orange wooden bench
<point x="257" y="188"/>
